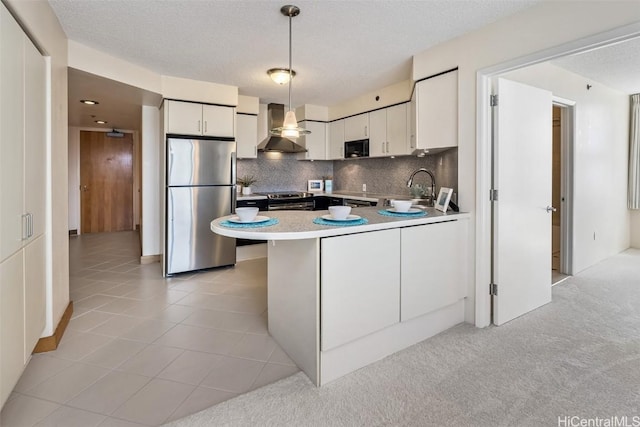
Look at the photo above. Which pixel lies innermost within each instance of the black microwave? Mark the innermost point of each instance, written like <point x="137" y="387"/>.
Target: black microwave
<point x="359" y="148"/>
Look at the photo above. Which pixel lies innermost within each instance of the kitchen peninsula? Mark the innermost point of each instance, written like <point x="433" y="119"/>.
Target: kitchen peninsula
<point x="340" y="298"/>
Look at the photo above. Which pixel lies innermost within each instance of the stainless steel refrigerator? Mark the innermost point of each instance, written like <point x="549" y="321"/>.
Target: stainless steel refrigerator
<point x="201" y="186"/>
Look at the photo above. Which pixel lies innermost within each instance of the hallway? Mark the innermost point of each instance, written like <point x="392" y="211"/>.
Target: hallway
<point x="143" y="350"/>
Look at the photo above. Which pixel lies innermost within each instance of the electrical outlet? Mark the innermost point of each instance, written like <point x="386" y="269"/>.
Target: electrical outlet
<point x="364" y="187"/>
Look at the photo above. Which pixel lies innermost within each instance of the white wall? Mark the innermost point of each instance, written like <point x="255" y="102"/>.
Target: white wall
<point x="635" y="229"/>
<point x="150" y="223"/>
<point x="601" y="155"/>
<point x="540" y="27"/>
<point x="38" y="19"/>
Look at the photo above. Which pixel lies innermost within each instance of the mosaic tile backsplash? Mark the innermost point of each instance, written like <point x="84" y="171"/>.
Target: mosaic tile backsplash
<point x="283" y="172"/>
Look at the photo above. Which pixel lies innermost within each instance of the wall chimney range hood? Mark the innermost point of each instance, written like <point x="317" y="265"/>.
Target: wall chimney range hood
<point x="279" y="144"/>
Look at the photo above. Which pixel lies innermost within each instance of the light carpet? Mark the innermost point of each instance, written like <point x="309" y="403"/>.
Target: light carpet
<point x="578" y="356"/>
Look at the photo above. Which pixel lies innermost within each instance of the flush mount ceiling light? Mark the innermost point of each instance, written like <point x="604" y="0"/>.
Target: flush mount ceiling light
<point x="89" y="102"/>
<point x="281" y="75"/>
<point x="100" y="122"/>
<point x="290" y="127"/>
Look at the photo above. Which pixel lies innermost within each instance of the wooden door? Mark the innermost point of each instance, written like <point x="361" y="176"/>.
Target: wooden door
<point x="106" y="182"/>
<point x="522" y="219"/>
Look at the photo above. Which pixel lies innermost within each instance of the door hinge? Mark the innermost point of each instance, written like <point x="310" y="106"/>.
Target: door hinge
<point x="493" y="100"/>
<point x="493" y="195"/>
<point x="493" y="289"/>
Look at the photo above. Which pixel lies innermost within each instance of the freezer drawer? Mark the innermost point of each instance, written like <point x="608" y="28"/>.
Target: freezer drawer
<point x="200" y="162"/>
<point x="191" y="245"/>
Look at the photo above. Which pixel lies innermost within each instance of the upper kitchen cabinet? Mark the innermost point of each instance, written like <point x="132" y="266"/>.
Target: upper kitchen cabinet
<point x="388" y="134"/>
<point x="315" y="142"/>
<point x="434" y="121"/>
<point x="356" y="127"/>
<point x="336" y="140"/>
<point x="190" y="118"/>
<point x="247" y="136"/>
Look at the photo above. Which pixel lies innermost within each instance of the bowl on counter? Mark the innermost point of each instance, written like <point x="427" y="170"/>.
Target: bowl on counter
<point x="247" y="214"/>
<point x="339" y="212"/>
<point x="402" y="205"/>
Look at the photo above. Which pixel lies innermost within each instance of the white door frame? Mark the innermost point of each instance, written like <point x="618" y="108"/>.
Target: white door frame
<point x="483" y="148"/>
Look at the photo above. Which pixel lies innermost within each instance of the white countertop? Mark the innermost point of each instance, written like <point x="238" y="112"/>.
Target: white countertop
<point x="250" y="197"/>
<point x="296" y="225"/>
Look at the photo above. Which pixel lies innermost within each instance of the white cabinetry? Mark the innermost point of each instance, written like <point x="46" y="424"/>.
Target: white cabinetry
<point x="247" y="136"/>
<point x="336" y="140"/>
<point x="434" y="122"/>
<point x="388" y="131"/>
<point x="190" y="118"/>
<point x="22" y="200"/>
<point x="433" y="267"/>
<point x="356" y="127"/>
<point x="359" y="296"/>
<point x="315" y="142"/>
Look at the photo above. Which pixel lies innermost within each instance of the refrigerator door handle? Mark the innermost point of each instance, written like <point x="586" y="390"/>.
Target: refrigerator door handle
<point x="233" y="169"/>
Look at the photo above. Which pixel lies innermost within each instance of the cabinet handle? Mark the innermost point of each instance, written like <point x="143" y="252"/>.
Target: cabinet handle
<point x="30" y="224"/>
<point x="383" y="146"/>
<point x="198" y="125"/>
<point x="205" y="126"/>
<point x="387" y="146"/>
<point x="25" y="226"/>
<point x="365" y="130"/>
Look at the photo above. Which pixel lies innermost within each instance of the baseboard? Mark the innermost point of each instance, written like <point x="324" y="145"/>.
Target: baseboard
<point x="73" y="232"/>
<point x="149" y="259"/>
<point x="51" y="343"/>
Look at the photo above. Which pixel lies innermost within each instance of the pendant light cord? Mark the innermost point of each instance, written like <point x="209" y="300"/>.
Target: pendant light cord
<point x="290" y="73"/>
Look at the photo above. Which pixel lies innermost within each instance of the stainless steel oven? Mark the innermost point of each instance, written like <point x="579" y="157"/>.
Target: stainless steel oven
<point x="291" y="201"/>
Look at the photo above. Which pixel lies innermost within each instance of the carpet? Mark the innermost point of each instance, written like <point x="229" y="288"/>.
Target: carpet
<point x="578" y="356"/>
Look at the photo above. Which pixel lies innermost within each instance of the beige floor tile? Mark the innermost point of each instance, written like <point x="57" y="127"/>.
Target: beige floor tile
<point x="175" y="313"/>
<point x="280" y="357"/>
<point x="109" y="392"/>
<point x="71" y="417"/>
<point x="273" y="372"/>
<point x="255" y="347"/>
<point x="115" y="353"/>
<point x="118" y="305"/>
<point x="115" y="422"/>
<point x="148" y="331"/>
<point x="190" y="367"/>
<point x="233" y="375"/>
<point x="155" y="402"/>
<point x="88" y="321"/>
<point x="225" y="320"/>
<point x="79" y="346"/>
<point x="119" y="290"/>
<point x="117" y="325"/>
<point x="67" y="383"/>
<point x="259" y="325"/>
<point x="150" y="361"/>
<point x="109" y="276"/>
<point x="202" y="287"/>
<point x="40" y="368"/>
<point x="200" y="339"/>
<point x="94" y="302"/>
<point x="25" y="411"/>
<point x="201" y="398"/>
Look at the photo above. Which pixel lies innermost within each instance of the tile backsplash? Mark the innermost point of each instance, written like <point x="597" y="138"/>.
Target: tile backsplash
<point x="283" y="172"/>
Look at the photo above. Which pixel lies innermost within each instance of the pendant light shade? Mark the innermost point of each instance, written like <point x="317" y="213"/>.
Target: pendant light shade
<point x="290" y="128"/>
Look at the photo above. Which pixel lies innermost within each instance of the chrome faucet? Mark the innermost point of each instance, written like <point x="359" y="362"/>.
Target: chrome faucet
<point x="433" y="181"/>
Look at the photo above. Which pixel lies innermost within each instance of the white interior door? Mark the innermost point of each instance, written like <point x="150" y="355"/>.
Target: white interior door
<point x="522" y="221"/>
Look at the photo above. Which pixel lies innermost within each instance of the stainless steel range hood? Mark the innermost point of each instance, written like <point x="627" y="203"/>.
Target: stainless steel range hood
<point x="275" y="118"/>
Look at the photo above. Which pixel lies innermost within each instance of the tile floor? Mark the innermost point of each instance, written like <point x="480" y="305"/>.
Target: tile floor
<point x="143" y="350"/>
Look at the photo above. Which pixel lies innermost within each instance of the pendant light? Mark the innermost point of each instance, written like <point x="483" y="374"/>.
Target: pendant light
<point x="290" y="127"/>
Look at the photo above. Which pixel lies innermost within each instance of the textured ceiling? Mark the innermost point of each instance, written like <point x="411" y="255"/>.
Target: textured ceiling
<point x="341" y="49"/>
<point x="616" y="66"/>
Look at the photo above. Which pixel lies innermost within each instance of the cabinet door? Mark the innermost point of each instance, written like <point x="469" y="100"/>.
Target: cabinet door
<point x="441" y="247"/>
<point x="315" y="142"/>
<point x="378" y="135"/>
<point x="11" y="323"/>
<point x="34" y="139"/>
<point x="218" y="121"/>
<point x="396" y="130"/>
<point x="336" y="140"/>
<point x="184" y="118"/>
<point x="437" y="112"/>
<point x="11" y="134"/>
<point x="34" y="293"/>
<point x="360" y="279"/>
<point x="356" y="127"/>
<point x="247" y="136"/>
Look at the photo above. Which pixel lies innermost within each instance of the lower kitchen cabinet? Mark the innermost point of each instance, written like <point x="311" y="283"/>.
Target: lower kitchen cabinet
<point x="432" y="277"/>
<point x="360" y="276"/>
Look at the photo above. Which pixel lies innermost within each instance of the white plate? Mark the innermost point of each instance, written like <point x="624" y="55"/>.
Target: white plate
<point x="258" y="218"/>
<point x="410" y="211"/>
<point x="328" y="217"/>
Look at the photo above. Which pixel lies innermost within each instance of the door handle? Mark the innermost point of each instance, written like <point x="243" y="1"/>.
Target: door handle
<point x="84" y="188"/>
<point x="551" y="209"/>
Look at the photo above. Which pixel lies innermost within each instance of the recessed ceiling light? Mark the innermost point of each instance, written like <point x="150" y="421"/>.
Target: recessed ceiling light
<point x="89" y="102"/>
<point x="100" y="122"/>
